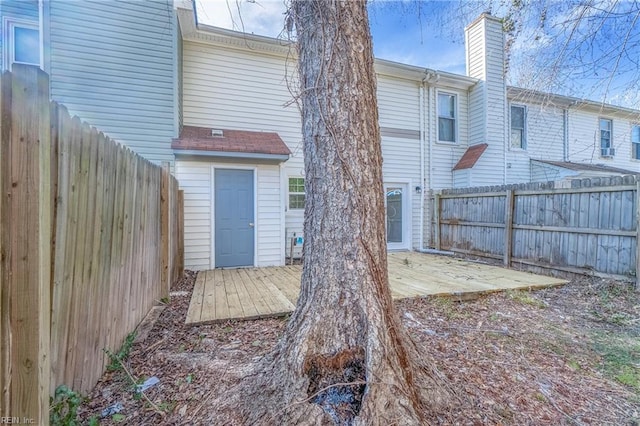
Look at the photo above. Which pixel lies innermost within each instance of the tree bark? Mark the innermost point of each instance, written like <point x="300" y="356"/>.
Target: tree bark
<point x="345" y="357"/>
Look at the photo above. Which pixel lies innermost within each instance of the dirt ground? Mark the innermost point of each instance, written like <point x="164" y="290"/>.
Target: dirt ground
<point x="568" y="355"/>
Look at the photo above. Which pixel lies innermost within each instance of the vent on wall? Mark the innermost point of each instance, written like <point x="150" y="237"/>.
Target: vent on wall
<point x="217" y="133"/>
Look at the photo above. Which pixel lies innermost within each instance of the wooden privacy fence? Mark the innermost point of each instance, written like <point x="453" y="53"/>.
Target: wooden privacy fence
<point x="91" y="239"/>
<point x="590" y="228"/>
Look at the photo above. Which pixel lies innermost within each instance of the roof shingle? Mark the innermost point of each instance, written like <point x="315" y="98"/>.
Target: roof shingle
<point x="241" y="141"/>
<point x="470" y="157"/>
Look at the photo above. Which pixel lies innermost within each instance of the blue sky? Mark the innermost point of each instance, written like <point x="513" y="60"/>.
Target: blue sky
<point x="431" y="34"/>
<point x="398" y="33"/>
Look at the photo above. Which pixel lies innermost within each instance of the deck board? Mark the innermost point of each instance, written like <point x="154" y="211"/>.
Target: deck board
<point x="231" y="294"/>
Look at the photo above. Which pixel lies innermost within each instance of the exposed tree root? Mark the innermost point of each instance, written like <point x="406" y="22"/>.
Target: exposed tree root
<point x="334" y="390"/>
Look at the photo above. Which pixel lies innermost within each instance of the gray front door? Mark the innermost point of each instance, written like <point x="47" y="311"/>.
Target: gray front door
<point x="234" y="222"/>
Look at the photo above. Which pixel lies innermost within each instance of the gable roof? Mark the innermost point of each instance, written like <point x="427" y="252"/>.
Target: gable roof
<point x="519" y="94"/>
<point x="231" y="143"/>
<point x="470" y="156"/>
<point x="583" y="167"/>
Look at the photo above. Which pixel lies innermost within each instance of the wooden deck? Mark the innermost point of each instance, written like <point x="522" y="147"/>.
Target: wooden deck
<point x="226" y="294"/>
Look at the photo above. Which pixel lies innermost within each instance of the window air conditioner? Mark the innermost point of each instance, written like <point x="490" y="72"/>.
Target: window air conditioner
<point x="608" y="152"/>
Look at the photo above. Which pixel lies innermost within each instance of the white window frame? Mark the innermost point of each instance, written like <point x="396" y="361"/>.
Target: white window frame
<point x="610" y="147"/>
<point x="290" y="193"/>
<point x="9" y="24"/>
<point x="635" y="145"/>
<point x="523" y="146"/>
<point x="456" y="136"/>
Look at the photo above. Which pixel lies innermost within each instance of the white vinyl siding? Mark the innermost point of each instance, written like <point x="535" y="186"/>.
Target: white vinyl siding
<point x="585" y="139"/>
<point x="399" y="111"/>
<point x="195" y="179"/>
<point x="232" y="88"/>
<point x="544" y="135"/>
<point x="541" y="172"/>
<point x="476" y="67"/>
<point x="488" y="116"/>
<point x="444" y="156"/>
<point x="270" y="235"/>
<point x="113" y="64"/>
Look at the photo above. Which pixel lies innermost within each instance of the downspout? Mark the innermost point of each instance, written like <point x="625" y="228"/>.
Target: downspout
<point x="422" y="181"/>
<point x="426" y="117"/>
<point x="41" y="31"/>
<point x="565" y="136"/>
<point x="195" y="11"/>
<point x="429" y="137"/>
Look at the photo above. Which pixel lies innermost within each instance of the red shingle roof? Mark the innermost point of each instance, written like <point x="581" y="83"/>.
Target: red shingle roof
<point x="241" y="141"/>
<point x="471" y="156"/>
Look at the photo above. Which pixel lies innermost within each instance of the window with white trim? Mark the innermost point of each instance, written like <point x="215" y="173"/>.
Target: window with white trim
<point x="296" y="193"/>
<point x="22" y="42"/>
<point x="635" y="141"/>
<point x="518" y="127"/>
<point x="606" y="142"/>
<point x="447" y="114"/>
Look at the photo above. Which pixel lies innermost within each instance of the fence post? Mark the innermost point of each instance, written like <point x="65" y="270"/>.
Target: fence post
<point x="25" y="221"/>
<point x="180" y="236"/>
<point x="165" y="229"/>
<point x="436" y="213"/>
<point x="508" y="228"/>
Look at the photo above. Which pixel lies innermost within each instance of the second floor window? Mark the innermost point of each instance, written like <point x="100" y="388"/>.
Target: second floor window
<point x="635" y="142"/>
<point x="518" y="120"/>
<point x="606" y="143"/>
<point x="296" y="193"/>
<point x="446" y="117"/>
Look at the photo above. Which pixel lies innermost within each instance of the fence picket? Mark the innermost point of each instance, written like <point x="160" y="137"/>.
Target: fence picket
<point x="80" y="230"/>
<point x="589" y="227"/>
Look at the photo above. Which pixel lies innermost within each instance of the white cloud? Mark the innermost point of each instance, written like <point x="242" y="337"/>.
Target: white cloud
<point x="263" y="17"/>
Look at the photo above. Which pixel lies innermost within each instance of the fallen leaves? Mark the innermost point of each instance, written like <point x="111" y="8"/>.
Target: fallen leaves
<point x="533" y="358"/>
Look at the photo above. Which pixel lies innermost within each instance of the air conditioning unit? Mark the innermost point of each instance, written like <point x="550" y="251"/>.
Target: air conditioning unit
<point x="607" y="152"/>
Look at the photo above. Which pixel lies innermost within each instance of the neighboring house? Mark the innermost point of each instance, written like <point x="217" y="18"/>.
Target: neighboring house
<point x="112" y="63"/>
<point x="569" y="130"/>
<point x="220" y="105"/>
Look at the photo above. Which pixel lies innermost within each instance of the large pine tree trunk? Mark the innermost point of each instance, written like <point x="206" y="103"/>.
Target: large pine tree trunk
<point x="345" y="357"/>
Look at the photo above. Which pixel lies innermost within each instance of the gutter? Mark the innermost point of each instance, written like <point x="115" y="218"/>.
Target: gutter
<point x="182" y="153"/>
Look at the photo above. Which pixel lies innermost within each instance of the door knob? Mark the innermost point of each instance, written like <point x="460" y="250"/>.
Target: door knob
<point x="251" y="224"/>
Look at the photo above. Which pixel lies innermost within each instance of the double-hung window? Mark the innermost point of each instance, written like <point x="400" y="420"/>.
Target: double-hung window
<point x="296" y="193"/>
<point x="447" y="116"/>
<point x="606" y="142"/>
<point x="635" y="141"/>
<point x="518" y="126"/>
<point x="22" y="42"/>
